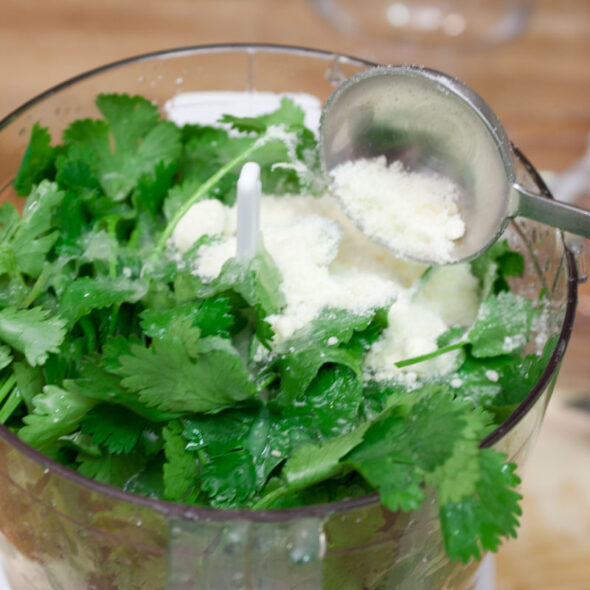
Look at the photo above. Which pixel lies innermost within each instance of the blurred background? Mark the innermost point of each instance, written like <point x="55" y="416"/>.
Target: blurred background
<point x="530" y="60"/>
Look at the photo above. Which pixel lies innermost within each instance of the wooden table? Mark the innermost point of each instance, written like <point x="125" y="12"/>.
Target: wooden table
<point x="539" y="85"/>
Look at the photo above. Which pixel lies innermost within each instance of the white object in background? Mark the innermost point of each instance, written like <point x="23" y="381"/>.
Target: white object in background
<point x="3" y="581"/>
<point x="206" y="108"/>
<point x="249" y="195"/>
<point x="485" y="577"/>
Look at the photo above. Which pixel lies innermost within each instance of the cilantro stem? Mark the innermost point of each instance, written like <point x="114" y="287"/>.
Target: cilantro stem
<point x="201" y="192"/>
<point x="7" y="386"/>
<point x="10" y="231"/>
<point x="89" y="333"/>
<point x="429" y="355"/>
<point x="114" y="317"/>
<point x="269" y="499"/>
<point x="112" y="231"/>
<point x="13" y="401"/>
<point x="37" y="287"/>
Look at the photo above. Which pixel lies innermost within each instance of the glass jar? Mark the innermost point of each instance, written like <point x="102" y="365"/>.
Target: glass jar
<point x="60" y="530"/>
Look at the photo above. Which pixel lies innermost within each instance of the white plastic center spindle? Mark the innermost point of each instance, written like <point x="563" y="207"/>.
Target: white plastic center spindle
<point x="249" y="195"/>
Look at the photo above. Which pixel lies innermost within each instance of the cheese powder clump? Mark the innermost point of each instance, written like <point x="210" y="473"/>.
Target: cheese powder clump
<point x="416" y="215"/>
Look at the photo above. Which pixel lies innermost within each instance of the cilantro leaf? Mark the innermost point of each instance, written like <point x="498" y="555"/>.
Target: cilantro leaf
<point x="331" y="403"/>
<point x="477" y="522"/>
<point x="206" y="149"/>
<point x="29" y="381"/>
<point x="33" y="240"/>
<point x="300" y="368"/>
<point x="111" y="469"/>
<point x="5" y="356"/>
<point x="493" y="266"/>
<point x="258" y="282"/>
<point x="153" y="186"/>
<point x="139" y="139"/>
<point x="181" y="373"/>
<point x="407" y="442"/>
<point x="385" y="460"/>
<point x="315" y="462"/>
<point x="32" y="332"/>
<point x="321" y="343"/>
<point x="114" y="427"/>
<point x="76" y="172"/>
<point x="223" y="434"/>
<point x="9" y="219"/>
<point x="37" y="163"/>
<point x="181" y="469"/>
<point x="230" y="479"/>
<point x="86" y="294"/>
<point x="57" y="412"/>
<point x="97" y="383"/>
<point x="502" y="325"/>
<point x="464" y="460"/>
<point x="288" y="114"/>
<point x="212" y="316"/>
<point x="178" y="195"/>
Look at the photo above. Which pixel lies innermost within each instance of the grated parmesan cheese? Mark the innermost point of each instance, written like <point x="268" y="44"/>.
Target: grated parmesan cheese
<point x="453" y="292"/>
<point x="206" y="217"/>
<point x="325" y="261"/>
<point x="416" y="215"/>
<point x="412" y="331"/>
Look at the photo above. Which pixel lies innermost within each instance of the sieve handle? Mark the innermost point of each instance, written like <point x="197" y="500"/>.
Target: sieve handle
<point x="553" y="213"/>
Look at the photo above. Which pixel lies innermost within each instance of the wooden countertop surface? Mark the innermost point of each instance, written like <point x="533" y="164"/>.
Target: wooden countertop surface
<point x="538" y="84"/>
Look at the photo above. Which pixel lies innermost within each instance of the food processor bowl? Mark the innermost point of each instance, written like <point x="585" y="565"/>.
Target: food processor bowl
<point x="62" y="531"/>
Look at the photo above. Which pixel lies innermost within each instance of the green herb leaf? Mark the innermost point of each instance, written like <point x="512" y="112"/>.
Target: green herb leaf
<point x="33" y="240"/>
<point x="5" y="356"/>
<point x="97" y="383"/>
<point x="86" y="294"/>
<point x="9" y="219"/>
<point x="493" y="266"/>
<point x="32" y="332"/>
<point x="212" y="316"/>
<point x="398" y="450"/>
<point x="502" y="325"/>
<point x="181" y="469"/>
<point x="288" y="114"/>
<point x="315" y="462"/>
<point x="140" y="141"/>
<point x="57" y="412"/>
<point x="477" y="523"/>
<point x="114" y="470"/>
<point x="230" y="479"/>
<point x="114" y="427"/>
<point x="37" y="163"/>
<point x="180" y="373"/>
<point x="322" y="343"/>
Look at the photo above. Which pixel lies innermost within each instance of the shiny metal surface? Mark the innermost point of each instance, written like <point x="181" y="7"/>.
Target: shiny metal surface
<point x="433" y="122"/>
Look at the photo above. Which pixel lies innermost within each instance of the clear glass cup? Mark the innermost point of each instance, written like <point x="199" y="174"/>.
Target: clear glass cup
<point x="60" y="530"/>
<point x="475" y="23"/>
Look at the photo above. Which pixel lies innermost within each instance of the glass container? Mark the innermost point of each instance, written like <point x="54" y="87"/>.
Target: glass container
<point x="62" y="531"/>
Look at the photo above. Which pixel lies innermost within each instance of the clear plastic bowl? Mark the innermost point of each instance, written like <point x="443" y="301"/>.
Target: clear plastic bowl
<point x="60" y="530"/>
